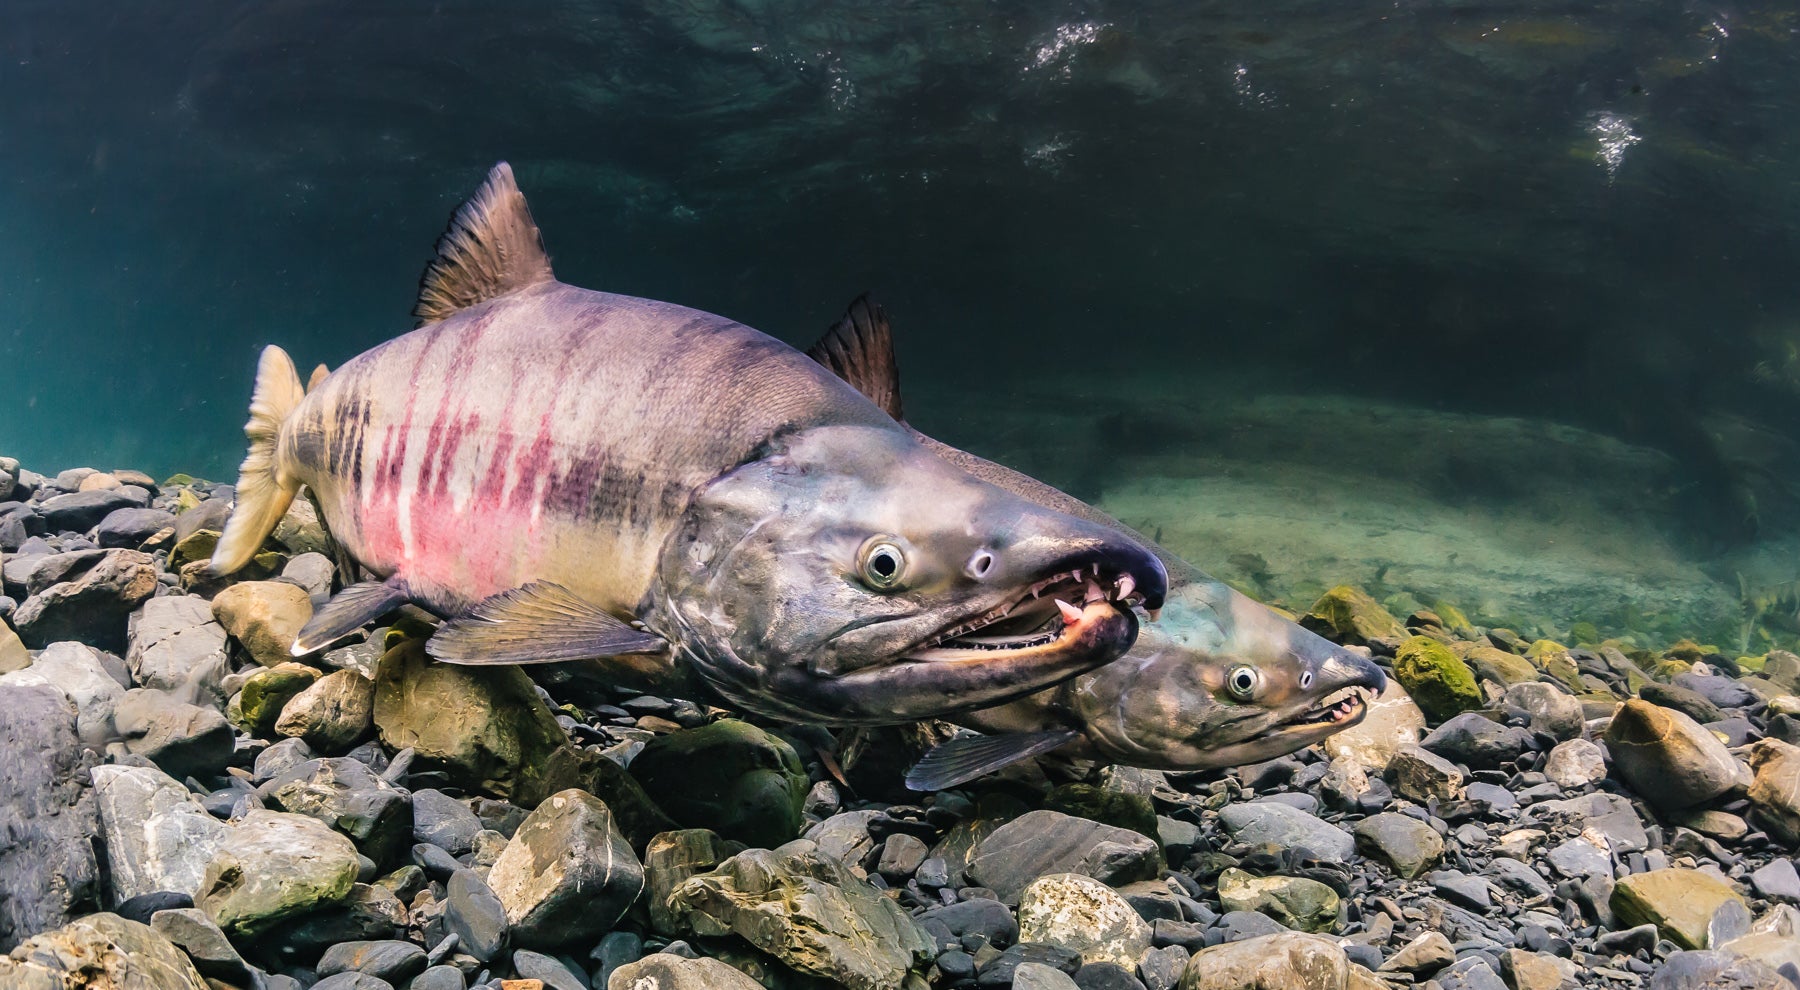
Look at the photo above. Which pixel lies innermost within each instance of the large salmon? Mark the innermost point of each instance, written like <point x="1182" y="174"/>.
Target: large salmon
<point x="1219" y="680"/>
<point x="570" y="474"/>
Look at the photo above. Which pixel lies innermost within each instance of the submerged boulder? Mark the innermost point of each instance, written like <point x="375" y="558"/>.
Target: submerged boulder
<point x="810" y="912"/>
<point x="1348" y="615"/>
<point x="1436" y="678"/>
<point x="99" y="951"/>
<point x="91" y="609"/>
<point x="48" y="869"/>
<point x="731" y="777"/>
<point x="1668" y="758"/>
<point x="567" y="875"/>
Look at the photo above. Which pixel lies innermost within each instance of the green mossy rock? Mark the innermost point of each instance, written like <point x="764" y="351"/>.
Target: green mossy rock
<point x="1500" y="666"/>
<point x="731" y="777"/>
<point x="1678" y="902"/>
<point x="267" y="690"/>
<point x="1584" y="633"/>
<point x="1295" y="902"/>
<point x="1097" y="804"/>
<point x="1351" y="616"/>
<point x="1453" y="619"/>
<point x="1440" y="683"/>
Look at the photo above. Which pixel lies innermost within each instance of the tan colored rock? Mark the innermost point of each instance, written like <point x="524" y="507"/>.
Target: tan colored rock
<point x="1295" y="902"/>
<point x="1678" y="902"/>
<point x="567" y="875"/>
<point x="1349" y="615"/>
<point x="1289" y="961"/>
<point x="13" y="654"/>
<point x="1668" y="758"/>
<point x="1393" y="723"/>
<point x="265" y="616"/>
<point x="98" y="481"/>
<point x="1083" y="915"/>
<point x="672" y="857"/>
<point x="1527" y="970"/>
<point x="333" y="714"/>
<point x="1497" y="665"/>
<point x="1775" y="791"/>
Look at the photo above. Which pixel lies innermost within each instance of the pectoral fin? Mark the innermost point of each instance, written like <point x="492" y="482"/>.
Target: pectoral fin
<point x="968" y="757"/>
<point x="348" y="611"/>
<point x="538" y="623"/>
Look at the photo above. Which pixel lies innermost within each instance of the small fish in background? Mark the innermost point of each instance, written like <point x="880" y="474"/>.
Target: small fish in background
<point x="571" y="475"/>
<point x="1219" y="680"/>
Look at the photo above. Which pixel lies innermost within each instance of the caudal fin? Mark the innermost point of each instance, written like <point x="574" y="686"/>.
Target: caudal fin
<point x="263" y="495"/>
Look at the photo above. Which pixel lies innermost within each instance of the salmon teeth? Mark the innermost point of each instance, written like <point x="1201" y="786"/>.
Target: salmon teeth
<point x="1070" y="613"/>
<point x="1094" y="594"/>
<point x="1126" y="586"/>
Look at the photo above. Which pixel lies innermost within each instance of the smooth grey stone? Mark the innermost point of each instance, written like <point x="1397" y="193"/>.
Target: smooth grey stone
<point x="1493" y="798"/>
<point x="999" y="971"/>
<point x="988" y="919"/>
<point x="1721" y="691"/>
<point x="1460" y="888"/>
<point x="281" y="757"/>
<point x="1044" y="842"/>
<point x="438" y="978"/>
<point x="351" y="798"/>
<point x="1478" y="742"/>
<point x="1777" y="880"/>
<point x="1239" y="925"/>
<point x="390" y="959"/>
<point x="79" y="512"/>
<point x="143" y="907"/>
<point x="185" y="740"/>
<point x="444" y="822"/>
<point x="1520" y="876"/>
<point x="615" y="949"/>
<point x="531" y="965"/>
<point x="437" y="864"/>
<point x="1552" y="710"/>
<point x="1470" y="974"/>
<point x="130" y="527"/>
<point x="1037" y="976"/>
<point x="474" y="913"/>
<point x="352" y="981"/>
<point x="1260" y="822"/>
<point x="1159" y="969"/>
<point x="1715" y="970"/>
<point x="212" y="953"/>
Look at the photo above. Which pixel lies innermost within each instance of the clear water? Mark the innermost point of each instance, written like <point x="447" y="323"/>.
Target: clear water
<point x="1493" y="304"/>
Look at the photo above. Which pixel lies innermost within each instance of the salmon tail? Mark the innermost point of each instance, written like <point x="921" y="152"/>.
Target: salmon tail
<point x="263" y="494"/>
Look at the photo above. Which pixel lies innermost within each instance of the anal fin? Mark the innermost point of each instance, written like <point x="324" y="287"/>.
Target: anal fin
<point x="968" y="757"/>
<point x="348" y="611"/>
<point x="537" y="623"/>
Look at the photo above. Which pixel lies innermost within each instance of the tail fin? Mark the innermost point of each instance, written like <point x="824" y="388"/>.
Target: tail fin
<point x="263" y="495"/>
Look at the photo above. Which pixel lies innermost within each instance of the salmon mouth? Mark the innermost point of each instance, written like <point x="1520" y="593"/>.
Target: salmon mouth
<point x="1338" y="710"/>
<point x="1076" y="609"/>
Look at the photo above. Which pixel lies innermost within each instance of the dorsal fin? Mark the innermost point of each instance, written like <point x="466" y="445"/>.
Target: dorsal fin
<point x="491" y="248"/>
<point x="860" y="349"/>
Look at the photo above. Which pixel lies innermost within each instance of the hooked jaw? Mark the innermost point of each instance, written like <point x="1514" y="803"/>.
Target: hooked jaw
<point x="1350" y="684"/>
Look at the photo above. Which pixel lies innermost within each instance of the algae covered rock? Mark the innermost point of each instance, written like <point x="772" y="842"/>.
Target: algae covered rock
<point x="1295" y="902"/>
<point x="332" y="714"/>
<point x="670" y="858"/>
<point x="1348" y="615"/>
<point x="486" y="727"/>
<point x="271" y="866"/>
<point x="1438" y="680"/>
<point x="731" y="777"/>
<point x="1499" y="666"/>
<point x="267" y="690"/>
<point x="1108" y="807"/>
<point x="99" y="951"/>
<point x="810" y="912"/>
<point x="1668" y="758"/>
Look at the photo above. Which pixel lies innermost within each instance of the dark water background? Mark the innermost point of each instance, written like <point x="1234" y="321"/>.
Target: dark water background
<point x="1580" y="213"/>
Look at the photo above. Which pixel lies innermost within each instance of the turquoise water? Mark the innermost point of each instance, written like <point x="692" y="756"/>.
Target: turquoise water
<point x="1151" y="252"/>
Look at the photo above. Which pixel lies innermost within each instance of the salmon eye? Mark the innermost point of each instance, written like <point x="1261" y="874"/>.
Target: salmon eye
<point x="1241" y="682"/>
<point x="883" y="565"/>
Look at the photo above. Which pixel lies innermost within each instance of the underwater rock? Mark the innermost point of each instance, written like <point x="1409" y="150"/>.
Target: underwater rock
<point x="1421" y="775"/>
<point x="172" y="637"/>
<point x="1552" y="711"/>
<point x="1047" y="842"/>
<point x="567" y="875"/>
<point x="185" y="740"/>
<point x="1436" y="678"/>
<point x="13" y="654"/>
<point x="264" y="616"/>
<point x="667" y="971"/>
<point x="349" y="797"/>
<point x="48" y="870"/>
<point x="672" y="857"/>
<point x="1293" y="902"/>
<point x="1775" y="789"/>
<point x="131" y="527"/>
<point x="1478" y="742"/>
<point x="268" y="690"/>
<point x="1292" y="960"/>
<point x="485" y="727"/>
<point x="1575" y="763"/>
<point x="731" y="777"/>
<point x="1680" y="903"/>
<point x="158" y="835"/>
<point x="332" y="714"/>
<point x="1108" y="807"/>
<point x="205" y="944"/>
<point x="1347" y="615"/>
<point x="1079" y="913"/>
<point x="91" y="609"/>
<point x="1499" y="666"/>
<point x="808" y="911"/>
<point x="1268" y="822"/>
<point x="1667" y="758"/>
<point x="1404" y="843"/>
<point x="99" y="951"/>
<point x="78" y="512"/>
<point x="77" y="671"/>
<point x="271" y="866"/>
